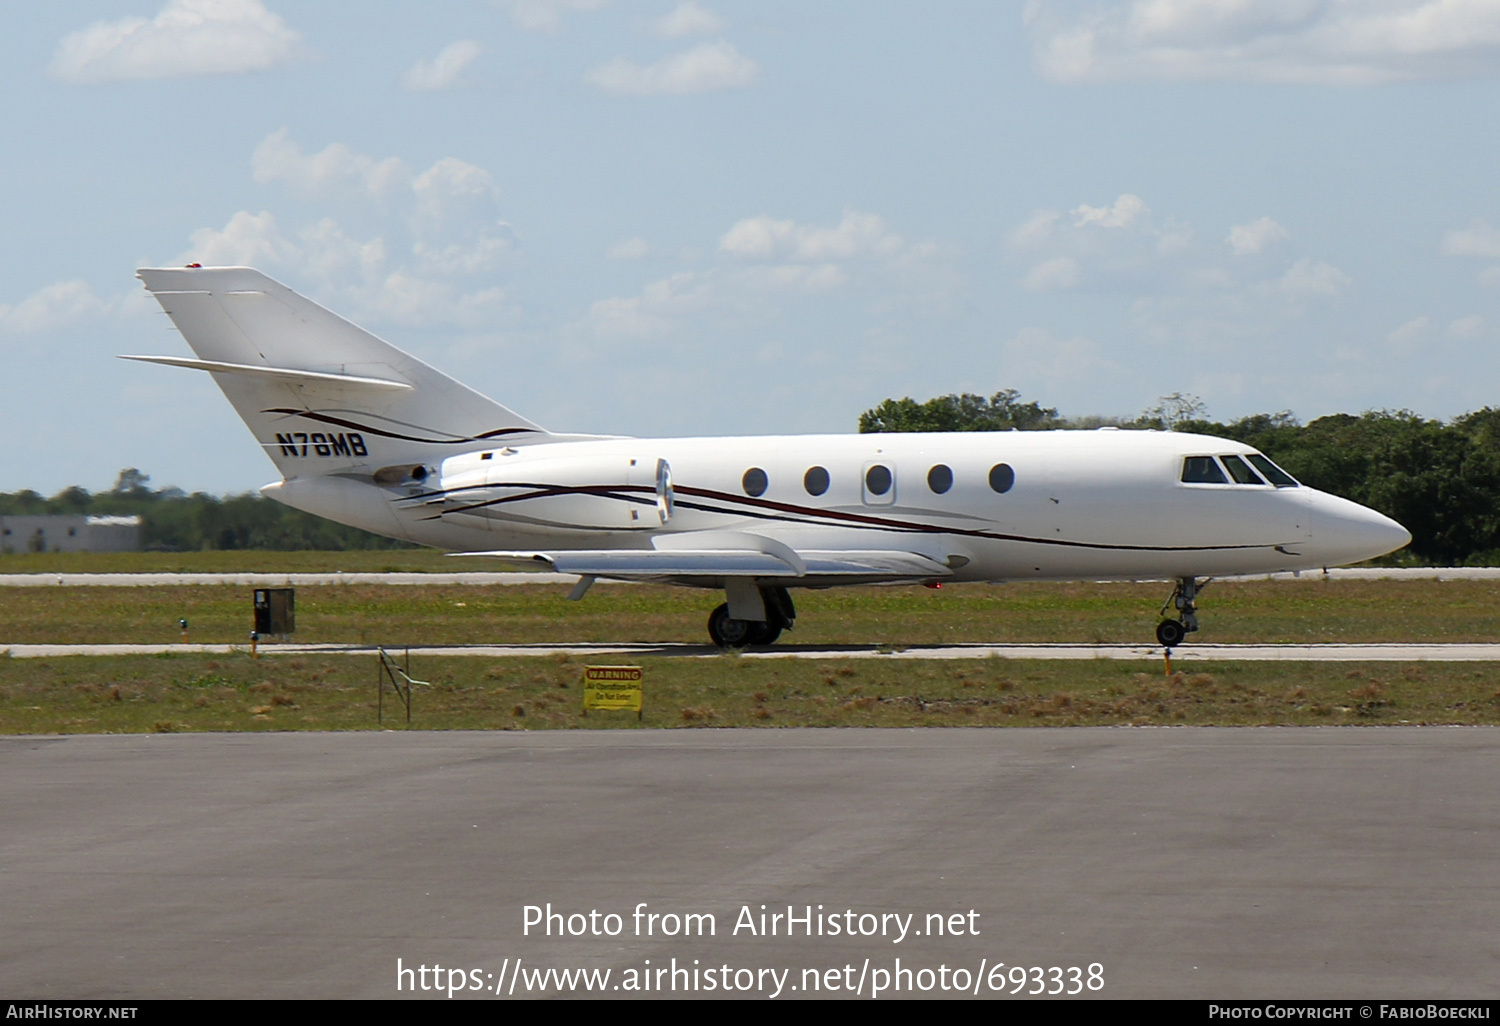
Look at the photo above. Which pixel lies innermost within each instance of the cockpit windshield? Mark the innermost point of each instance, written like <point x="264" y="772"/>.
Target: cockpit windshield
<point x="1211" y="470"/>
<point x="1202" y="470"/>
<point x="1273" y="473"/>
<point x="1241" y="473"/>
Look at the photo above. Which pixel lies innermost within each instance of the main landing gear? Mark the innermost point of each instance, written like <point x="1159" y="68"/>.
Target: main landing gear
<point x="728" y="632"/>
<point x="1172" y="632"/>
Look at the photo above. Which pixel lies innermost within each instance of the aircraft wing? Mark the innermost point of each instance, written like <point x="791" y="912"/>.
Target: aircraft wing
<point x="734" y="557"/>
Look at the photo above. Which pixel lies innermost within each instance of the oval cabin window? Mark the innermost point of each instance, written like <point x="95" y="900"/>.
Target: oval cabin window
<point x="1002" y="477"/>
<point x="755" y="482"/>
<point x="815" y="481"/>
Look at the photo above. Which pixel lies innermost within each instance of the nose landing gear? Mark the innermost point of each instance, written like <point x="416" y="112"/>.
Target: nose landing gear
<point x="1170" y="633"/>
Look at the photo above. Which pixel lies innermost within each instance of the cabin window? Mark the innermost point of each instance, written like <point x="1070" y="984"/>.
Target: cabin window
<point x="755" y="482"/>
<point x="878" y="479"/>
<point x="1272" y="473"/>
<point x="815" y="480"/>
<point x="940" y="479"/>
<point x="1002" y="477"/>
<point x="1202" y="470"/>
<point x="1240" y="471"/>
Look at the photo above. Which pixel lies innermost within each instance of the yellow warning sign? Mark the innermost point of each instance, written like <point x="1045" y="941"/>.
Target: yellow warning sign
<point x="612" y="687"/>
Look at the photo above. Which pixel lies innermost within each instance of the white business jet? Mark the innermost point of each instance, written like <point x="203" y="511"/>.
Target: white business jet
<point x="367" y="435"/>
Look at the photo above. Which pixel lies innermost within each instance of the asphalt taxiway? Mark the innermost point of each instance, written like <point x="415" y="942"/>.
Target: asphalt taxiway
<point x="1183" y="862"/>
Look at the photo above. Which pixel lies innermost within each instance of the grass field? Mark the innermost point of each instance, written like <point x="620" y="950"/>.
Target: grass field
<point x="279" y="692"/>
<point x="233" y="693"/>
<point x="1232" y="612"/>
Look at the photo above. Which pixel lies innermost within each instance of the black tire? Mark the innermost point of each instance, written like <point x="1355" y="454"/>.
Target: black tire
<point x="764" y="633"/>
<point x="1170" y="633"/>
<point x="727" y="632"/>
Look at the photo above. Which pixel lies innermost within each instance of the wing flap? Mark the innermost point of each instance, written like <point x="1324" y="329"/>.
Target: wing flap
<point x="647" y="564"/>
<point x="643" y="564"/>
<point x="872" y="563"/>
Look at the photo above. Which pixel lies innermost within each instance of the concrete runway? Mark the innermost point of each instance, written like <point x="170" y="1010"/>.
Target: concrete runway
<point x="1184" y="862"/>
<point x="1461" y="653"/>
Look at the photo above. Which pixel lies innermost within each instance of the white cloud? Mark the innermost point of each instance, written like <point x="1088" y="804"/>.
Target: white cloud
<point x="1057" y="273"/>
<point x="1124" y="247"/>
<point x="425" y="247"/>
<point x="688" y="19"/>
<point x="703" y="69"/>
<point x="1179" y="290"/>
<point x="246" y="240"/>
<point x="454" y="223"/>
<point x="1117" y="241"/>
<point x="54" y="306"/>
<point x="654" y="312"/>
<point x="448" y="184"/>
<point x="1490" y="277"/>
<point x="1409" y="333"/>
<point x="629" y="249"/>
<point x="444" y="69"/>
<point x="1310" y="41"/>
<point x="857" y="235"/>
<point x="187" y="37"/>
<point x="804" y="278"/>
<point x="280" y="159"/>
<point x="546" y="15"/>
<point x="1246" y="239"/>
<point x="1477" y="240"/>
<point x="1467" y="327"/>
<point x="764" y="263"/>
<point x="1036" y="231"/>
<point x="1305" y="279"/>
<point x="1125" y="212"/>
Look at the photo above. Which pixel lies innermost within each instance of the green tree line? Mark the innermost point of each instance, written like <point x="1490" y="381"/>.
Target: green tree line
<point x="174" y="521"/>
<point x="1441" y="481"/>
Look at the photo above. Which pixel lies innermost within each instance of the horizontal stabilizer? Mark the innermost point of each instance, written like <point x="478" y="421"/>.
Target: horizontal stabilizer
<point x="284" y="373"/>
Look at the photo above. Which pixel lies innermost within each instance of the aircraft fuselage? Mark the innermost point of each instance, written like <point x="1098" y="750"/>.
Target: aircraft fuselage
<point x="1062" y="505"/>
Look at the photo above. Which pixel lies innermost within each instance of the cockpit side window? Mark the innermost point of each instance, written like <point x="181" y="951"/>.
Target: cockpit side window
<point x="1273" y="473"/>
<point x="1202" y="470"/>
<point x="1240" y="471"/>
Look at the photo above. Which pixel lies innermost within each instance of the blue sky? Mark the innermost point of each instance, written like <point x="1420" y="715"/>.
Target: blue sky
<point x="720" y="217"/>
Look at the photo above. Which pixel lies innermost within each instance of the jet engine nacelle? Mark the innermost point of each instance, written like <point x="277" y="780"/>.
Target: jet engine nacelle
<point x="590" y="492"/>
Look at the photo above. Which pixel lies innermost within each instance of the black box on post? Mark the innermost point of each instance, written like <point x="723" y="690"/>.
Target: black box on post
<point x="275" y="611"/>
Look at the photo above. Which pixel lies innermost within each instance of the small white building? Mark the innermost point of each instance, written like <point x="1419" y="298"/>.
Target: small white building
<point x="65" y="532"/>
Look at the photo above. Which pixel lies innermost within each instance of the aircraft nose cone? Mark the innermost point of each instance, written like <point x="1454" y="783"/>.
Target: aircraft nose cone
<point x="1346" y="532"/>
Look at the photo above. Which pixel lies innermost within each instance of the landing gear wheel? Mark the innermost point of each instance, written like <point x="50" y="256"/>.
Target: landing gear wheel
<point x="728" y="632"/>
<point x="764" y="633"/>
<point x="1185" y="598"/>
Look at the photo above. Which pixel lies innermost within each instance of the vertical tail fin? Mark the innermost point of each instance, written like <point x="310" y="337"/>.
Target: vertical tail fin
<point x="321" y="395"/>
